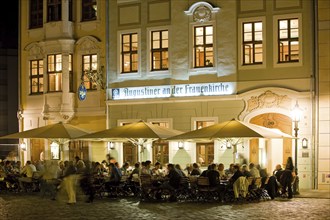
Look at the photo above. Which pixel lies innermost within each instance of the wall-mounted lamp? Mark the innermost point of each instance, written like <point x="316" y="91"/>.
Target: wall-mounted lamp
<point x="228" y="145"/>
<point x="304" y="143"/>
<point x="111" y="146"/>
<point x="55" y="151"/>
<point x="180" y="145"/>
<point x="22" y="145"/>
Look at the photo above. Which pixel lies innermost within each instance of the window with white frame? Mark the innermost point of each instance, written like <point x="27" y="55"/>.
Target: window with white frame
<point x="129" y="53"/>
<point x="288" y="40"/>
<point x="36" y="76"/>
<point x="252" y="42"/>
<point x="89" y="63"/>
<point x="203" y="46"/>
<point x="54" y="71"/>
<point x="159" y="50"/>
<point x="70" y="73"/>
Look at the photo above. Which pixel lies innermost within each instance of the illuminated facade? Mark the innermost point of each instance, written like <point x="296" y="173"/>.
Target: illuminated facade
<point x="60" y="40"/>
<point x="264" y="52"/>
<point x="184" y="65"/>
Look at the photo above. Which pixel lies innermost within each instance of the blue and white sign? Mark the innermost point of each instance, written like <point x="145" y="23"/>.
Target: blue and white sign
<point x="166" y="91"/>
<point x="82" y="92"/>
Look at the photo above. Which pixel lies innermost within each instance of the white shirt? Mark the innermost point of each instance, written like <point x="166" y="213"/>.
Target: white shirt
<point x="29" y="170"/>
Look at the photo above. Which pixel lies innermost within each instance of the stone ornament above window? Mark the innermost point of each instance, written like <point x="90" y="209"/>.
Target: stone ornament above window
<point x="202" y="11"/>
<point x="202" y="14"/>
<point x="35" y="50"/>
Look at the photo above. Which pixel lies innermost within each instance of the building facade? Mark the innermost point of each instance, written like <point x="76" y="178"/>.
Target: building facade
<point x="183" y="65"/>
<point x="190" y="64"/>
<point x="62" y="44"/>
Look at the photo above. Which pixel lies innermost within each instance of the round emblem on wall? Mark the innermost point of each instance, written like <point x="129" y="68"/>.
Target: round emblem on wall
<point x="82" y="92"/>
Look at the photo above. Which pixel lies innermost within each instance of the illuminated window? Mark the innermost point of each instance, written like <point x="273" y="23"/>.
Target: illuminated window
<point x="89" y="10"/>
<point x="160" y="152"/>
<point x="36" y="76"/>
<point x="36" y="13"/>
<point x="252" y="43"/>
<point x="288" y="40"/>
<point x="54" y="70"/>
<point x="89" y="63"/>
<point x="203" y="46"/>
<point x="129" y="53"/>
<point x="204" y="151"/>
<point x="54" y="10"/>
<point x="159" y="50"/>
<point x="130" y="153"/>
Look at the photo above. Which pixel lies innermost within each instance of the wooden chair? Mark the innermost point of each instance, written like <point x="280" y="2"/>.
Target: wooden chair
<point x="147" y="188"/>
<point x="204" y="191"/>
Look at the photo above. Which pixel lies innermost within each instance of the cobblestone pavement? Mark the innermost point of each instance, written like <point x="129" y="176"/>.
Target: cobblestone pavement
<point x="32" y="206"/>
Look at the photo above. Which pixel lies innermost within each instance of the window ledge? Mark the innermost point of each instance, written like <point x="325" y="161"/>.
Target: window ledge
<point x="252" y="66"/>
<point x="159" y="73"/>
<point x="206" y="70"/>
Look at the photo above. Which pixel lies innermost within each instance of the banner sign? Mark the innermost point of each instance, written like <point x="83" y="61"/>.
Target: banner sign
<point x="182" y="90"/>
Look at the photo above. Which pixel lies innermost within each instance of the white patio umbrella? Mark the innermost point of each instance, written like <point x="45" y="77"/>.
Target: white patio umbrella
<point x="232" y="132"/>
<point x="60" y="133"/>
<point x="137" y="133"/>
<point x="231" y="129"/>
<point x="54" y="132"/>
<point x="133" y="132"/>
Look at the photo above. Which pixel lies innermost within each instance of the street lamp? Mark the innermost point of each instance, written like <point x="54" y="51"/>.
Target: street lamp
<point x="296" y="116"/>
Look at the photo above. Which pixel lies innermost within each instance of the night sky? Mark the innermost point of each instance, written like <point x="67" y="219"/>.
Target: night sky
<point x="9" y="24"/>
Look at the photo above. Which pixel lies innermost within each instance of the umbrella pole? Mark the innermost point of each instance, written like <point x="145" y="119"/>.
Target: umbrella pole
<point x="234" y="152"/>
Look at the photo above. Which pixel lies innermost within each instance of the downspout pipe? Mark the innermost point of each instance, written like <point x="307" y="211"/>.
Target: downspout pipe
<point x="315" y="97"/>
<point x="107" y="61"/>
<point x="19" y="82"/>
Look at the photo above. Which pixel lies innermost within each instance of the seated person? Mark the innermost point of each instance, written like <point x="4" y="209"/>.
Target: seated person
<point x="179" y="169"/>
<point x="213" y="175"/>
<point x="156" y="170"/>
<point x="124" y="168"/>
<point x="221" y="170"/>
<point x="145" y="169"/>
<point x="195" y="170"/>
<point x="173" y="181"/>
<point x="115" y="176"/>
<point x="136" y="171"/>
<point x="27" y="174"/>
<point x="245" y="171"/>
<point x="230" y="170"/>
<point x="204" y="173"/>
<point x="254" y="170"/>
<point x="214" y="180"/>
<point x="237" y="174"/>
<point x="278" y="172"/>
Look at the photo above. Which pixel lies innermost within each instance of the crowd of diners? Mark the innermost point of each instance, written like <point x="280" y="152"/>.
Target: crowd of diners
<point x="67" y="175"/>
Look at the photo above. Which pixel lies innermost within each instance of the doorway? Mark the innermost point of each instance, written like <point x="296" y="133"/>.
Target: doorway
<point x="160" y="152"/>
<point x="130" y="153"/>
<point x="268" y="153"/>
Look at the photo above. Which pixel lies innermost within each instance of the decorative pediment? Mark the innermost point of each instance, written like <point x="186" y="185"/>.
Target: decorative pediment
<point x="87" y="43"/>
<point x="34" y="49"/>
<point x="202" y="11"/>
<point x="268" y="99"/>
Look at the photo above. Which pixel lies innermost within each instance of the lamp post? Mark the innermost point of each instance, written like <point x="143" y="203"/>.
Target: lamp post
<point x="296" y="114"/>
